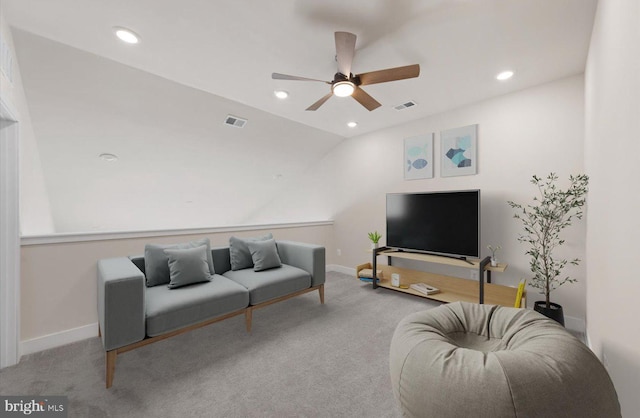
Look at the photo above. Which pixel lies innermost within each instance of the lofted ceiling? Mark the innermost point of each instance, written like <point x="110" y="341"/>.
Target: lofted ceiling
<point x="231" y="47"/>
<point x="159" y="105"/>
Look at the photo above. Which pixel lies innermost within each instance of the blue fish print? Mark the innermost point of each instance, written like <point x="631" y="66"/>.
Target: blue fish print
<point x="418" y="164"/>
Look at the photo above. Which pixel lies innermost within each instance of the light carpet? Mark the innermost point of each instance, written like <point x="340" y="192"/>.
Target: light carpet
<point x="301" y="359"/>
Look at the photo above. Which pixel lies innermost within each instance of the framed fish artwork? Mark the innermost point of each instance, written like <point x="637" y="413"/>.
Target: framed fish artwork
<point x="459" y="151"/>
<point x="418" y="157"/>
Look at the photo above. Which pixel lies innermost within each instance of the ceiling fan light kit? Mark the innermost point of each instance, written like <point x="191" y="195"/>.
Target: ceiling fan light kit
<point x="347" y="84"/>
<point x="343" y="88"/>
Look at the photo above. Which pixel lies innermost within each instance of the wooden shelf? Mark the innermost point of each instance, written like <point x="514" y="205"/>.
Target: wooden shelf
<point x="452" y="289"/>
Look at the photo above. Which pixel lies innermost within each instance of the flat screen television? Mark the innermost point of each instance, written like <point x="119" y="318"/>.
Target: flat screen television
<point x="442" y="223"/>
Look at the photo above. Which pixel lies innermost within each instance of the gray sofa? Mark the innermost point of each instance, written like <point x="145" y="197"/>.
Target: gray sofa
<point x="132" y="315"/>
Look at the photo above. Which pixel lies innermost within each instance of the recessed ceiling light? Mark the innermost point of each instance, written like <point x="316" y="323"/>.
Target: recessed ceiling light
<point x="108" y="157"/>
<point x="352" y="124"/>
<point x="127" y="35"/>
<point x="281" y="94"/>
<point x="505" y="75"/>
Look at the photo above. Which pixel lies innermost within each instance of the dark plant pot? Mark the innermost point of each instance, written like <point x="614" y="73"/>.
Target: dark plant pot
<point x="554" y="311"/>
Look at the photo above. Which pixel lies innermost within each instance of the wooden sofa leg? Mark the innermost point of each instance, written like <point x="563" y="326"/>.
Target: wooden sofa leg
<point x="248" y="315"/>
<point x="321" y="291"/>
<point x="111" y="366"/>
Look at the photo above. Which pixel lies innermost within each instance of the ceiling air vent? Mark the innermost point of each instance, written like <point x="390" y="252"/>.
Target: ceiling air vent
<point x="406" y="105"/>
<point x="235" y="121"/>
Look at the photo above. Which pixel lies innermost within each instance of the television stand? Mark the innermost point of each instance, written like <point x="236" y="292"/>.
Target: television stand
<point x="452" y="289"/>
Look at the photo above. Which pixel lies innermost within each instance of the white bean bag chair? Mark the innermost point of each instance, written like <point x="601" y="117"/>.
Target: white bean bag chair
<point x="468" y="360"/>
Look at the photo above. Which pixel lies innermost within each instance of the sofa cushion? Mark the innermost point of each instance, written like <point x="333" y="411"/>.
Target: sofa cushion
<point x="264" y="254"/>
<point x="239" y="251"/>
<point x="167" y="309"/>
<point x="221" y="259"/>
<point x="270" y="284"/>
<point x="187" y="266"/>
<point x="156" y="262"/>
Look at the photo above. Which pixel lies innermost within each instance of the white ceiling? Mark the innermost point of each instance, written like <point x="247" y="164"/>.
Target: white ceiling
<point x="231" y="47"/>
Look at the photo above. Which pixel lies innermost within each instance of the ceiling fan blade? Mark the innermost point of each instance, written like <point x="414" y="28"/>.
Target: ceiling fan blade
<point x="390" y="74"/>
<point x="278" y="76"/>
<point x="365" y="100"/>
<point x="345" y="50"/>
<point x="320" y="102"/>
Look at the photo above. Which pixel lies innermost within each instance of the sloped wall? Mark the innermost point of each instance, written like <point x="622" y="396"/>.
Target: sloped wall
<point x="35" y="211"/>
<point x="179" y="166"/>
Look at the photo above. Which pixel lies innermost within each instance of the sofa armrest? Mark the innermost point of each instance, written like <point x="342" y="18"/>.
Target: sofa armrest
<point x="120" y="302"/>
<point x="308" y="257"/>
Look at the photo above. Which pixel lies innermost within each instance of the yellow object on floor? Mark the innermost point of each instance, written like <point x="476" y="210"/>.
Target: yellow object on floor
<point x="521" y="286"/>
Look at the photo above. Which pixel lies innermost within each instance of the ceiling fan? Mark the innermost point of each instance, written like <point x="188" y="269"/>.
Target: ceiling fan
<point x="347" y="84"/>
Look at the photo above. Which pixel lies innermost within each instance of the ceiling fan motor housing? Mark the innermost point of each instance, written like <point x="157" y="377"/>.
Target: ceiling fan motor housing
<point x="341" y="77"/>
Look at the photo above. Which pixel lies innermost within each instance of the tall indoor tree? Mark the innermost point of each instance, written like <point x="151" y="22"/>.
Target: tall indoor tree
<point x="552" y="210"/>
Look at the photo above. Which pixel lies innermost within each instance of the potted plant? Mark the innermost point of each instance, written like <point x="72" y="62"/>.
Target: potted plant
<point x="374" y="237"/>
<point x="494" y="251"/>
<point x="552" y="211"/>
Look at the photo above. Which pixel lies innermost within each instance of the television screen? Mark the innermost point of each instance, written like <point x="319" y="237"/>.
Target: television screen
<point x="445" y="223"/>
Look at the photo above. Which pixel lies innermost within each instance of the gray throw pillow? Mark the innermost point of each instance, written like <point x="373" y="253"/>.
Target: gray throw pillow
<point x="156" y="263"/>
<point x="187" y="266"/>
<point x="264" y="254"/>
<point x="239" y="252"/>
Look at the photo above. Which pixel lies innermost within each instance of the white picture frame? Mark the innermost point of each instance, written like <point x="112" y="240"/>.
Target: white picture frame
<point x="418" y="157"/>
<point x="459" y="151"/>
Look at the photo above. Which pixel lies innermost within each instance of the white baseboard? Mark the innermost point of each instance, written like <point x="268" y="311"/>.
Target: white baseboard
<point x="341" y="269"/>
<point x="58" y="339"/>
